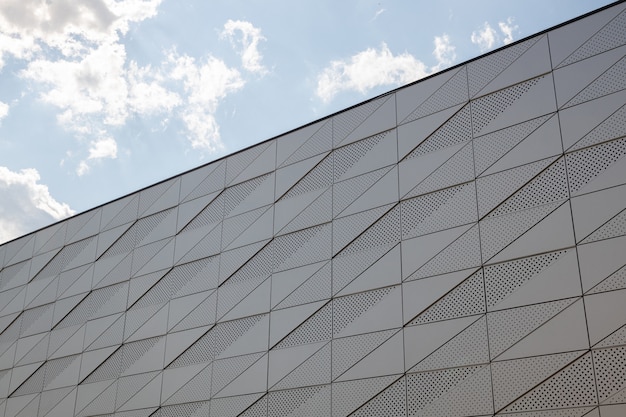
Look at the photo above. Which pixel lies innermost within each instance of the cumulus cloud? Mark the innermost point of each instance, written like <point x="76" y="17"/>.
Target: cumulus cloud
<point x="507" y="28"/>
<point x="67" y="26"/>
<point x="4" y="110"/>
<point x="206" y="83"/>
<point x="247" y="44"/>
<point x="444" y="52"/>
<point x="379" y="67"/>
<point x="96" y="88"/>
<point x="26" y="203"/>
<point x="98" y="149"/>
<point x="484" y="37"/>
<point x="487" y="37"/>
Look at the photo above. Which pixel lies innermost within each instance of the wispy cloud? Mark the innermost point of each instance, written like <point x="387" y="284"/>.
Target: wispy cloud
<point x="26" y="203"/>
<point x="99" y="149"/>
<point x="206" y="84"/>
<point x="444" y="52"/>
<point x="378" y="13"/>
<point x="4" y="110"/>
<point x="507" y="28"/>
<point x="74" y="56"/>
<point x="247" y="44"/>
<point x="379" y="67"/>
<point x="487" y="37"/>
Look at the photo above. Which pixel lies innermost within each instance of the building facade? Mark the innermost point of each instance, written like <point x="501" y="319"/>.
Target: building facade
<point x="456" y="247"/>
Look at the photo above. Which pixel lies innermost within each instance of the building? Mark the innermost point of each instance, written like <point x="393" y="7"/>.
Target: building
<point x="456" y="247"/>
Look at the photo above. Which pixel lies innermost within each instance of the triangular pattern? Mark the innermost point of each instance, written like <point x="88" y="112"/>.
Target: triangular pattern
<point x="449" y="392"/>
<point x="458" y="169"/>
<point x="559" y="391"/>
<point x="315" y="288"/>
<point x="529" y="372"/>
<point x="454" y="131"/>
<point x="466" y="348"/>
<point x="465" y="299"/>
<point x="315" y="370"/>
<point x="348" y="351"/>
<point x="450" y="248"/>
<point x="606" y="38"/>
<point x="482" y="72"/>
<point x="350" y="395"/>
<point x="610" y="128"/>
<point x="502" y="331"/>
<point x="607" y="83"/>
<point x="449" y="94"/>
<point x="319" y="142"/>
<point x="445" y="261"/>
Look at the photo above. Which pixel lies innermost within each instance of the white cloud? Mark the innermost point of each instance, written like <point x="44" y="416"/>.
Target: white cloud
<point x="378" y="13"/>
<point x="378" y="67"/>
<point x="66" y="25"/>
<point x="249" y="44"/>
<point x="444" y="52"/>
<point x="103" y="148"/>
<point x="26" y="203"/>
<point x="507" y="28"/>
<point x="81" y="88"/>
<point x="205" y="84"/>
<point x="98" y="149"/>
<point x="75" y="59"/>
<point x="4" y="110"/>
<point x="146" y="94"/>
<point x="485" y="37"/>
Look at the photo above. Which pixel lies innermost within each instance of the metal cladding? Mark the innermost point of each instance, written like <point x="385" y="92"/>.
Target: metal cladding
<point x="456" y="247"/>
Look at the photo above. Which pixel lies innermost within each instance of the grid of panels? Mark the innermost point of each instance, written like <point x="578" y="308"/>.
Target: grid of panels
<point x="454" y="248"/>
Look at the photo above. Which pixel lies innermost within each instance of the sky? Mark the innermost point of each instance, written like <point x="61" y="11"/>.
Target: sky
<point x="99" y="98"/>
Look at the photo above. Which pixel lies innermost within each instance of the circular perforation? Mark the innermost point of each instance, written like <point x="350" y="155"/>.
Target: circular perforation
<point x="611" y="128"/>
<point x="503" y="279"/>
<point x="464" y="300"/>
<point x="316" y="328"/>
<point x="321" y="141"/>
<point x="583" y="166"/>
<point x="506" y="327"/>
<point x="461" y="254"/>
<point x="610" y="36"/>
<point x="613" y="228"/>
<point x="572" y="387"/>
<point x="347" y="156"/>
<point x="283" y="403"/>
<point x="456" y="130"/>
<point x="345" y="122"/>
<point x="610" y="367"/>
<point x="430" y="393"/>
<point x="454" y="91"/>
<point x="482" y="71"/>
<point x="384" y="232"/>
<point x="319" y="177"/>
<point x="389" y="403"/>
<point x="609" y="82"/>
<point x="347" y="309"/>
<point x="492" y="146"/>
<point x="487" y="108"/>
<point x="549" y="186"/>
<point x="498" y="232"/>
<point x="439" y="210"/>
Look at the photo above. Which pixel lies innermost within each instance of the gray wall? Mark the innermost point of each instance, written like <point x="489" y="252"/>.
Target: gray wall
<point x="454" y="248"/>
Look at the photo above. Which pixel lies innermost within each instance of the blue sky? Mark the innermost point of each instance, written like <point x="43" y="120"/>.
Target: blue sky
<point x="99" y="98"/>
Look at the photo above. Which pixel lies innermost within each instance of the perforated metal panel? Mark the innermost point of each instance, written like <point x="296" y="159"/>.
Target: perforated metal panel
<point x="456" y="248"/>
